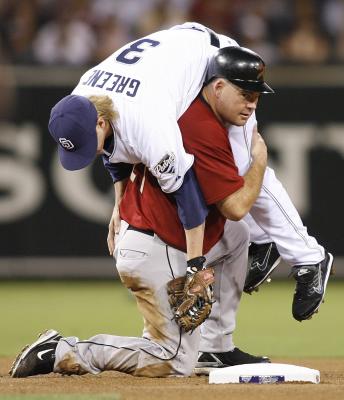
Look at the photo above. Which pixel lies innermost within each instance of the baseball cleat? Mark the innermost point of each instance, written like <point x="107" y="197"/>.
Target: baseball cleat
<point x="37" y="358"/>
<point x="210" y="361"/>
<point x="311" y="282"/>
<point x="265" y="258"/>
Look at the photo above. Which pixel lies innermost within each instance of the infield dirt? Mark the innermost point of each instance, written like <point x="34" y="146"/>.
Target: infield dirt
<point x="127" y="387"/>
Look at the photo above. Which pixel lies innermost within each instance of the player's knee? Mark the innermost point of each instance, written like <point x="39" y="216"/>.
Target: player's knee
<point x="243" y="232"/>
<point x="235" y="237"/>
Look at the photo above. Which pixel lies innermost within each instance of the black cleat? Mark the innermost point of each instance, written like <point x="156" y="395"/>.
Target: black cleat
<point x="210" y="361"/>
<point x="311" y="281"/>
<point x="37" y="358"/>
<point x="265" y="258"/>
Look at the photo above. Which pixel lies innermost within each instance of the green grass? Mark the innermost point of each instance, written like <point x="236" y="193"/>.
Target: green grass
<point x="82" y="309"/>
<point x="265" y="324"/>
<point x="85" y="308"/>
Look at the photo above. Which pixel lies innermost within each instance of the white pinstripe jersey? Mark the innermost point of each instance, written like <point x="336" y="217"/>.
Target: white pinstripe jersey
<point x="152" y="81"/>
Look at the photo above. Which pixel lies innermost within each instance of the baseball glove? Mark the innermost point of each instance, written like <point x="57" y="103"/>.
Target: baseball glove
<point x="191" y="298"/>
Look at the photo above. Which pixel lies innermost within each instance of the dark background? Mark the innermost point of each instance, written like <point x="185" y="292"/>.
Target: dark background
<point x="53" y="230"/>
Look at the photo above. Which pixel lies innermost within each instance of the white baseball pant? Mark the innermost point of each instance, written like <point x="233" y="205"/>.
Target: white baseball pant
<point x="273" y="217"/>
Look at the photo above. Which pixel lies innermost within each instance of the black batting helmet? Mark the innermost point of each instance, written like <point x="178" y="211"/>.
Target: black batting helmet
<point x="240" y="66"/>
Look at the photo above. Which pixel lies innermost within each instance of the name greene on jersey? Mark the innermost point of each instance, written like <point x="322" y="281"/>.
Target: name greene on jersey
<point x="112" y="82"/>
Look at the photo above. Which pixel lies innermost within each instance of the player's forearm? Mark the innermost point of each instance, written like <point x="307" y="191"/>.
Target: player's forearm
<point x="192" y="211"/>
<point x="120" y="187"/>
<point x="194" y="241"/>
<point x="238" y="204"/>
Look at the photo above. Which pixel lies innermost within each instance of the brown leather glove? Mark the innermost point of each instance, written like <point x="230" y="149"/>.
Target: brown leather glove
<point x="191" y="298"/>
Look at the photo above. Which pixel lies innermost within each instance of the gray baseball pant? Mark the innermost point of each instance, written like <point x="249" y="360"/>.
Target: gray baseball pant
<point x="145" y="264"/>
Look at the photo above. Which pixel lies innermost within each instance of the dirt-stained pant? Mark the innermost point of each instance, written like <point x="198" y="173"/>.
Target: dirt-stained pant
<point x="145" y="264"/>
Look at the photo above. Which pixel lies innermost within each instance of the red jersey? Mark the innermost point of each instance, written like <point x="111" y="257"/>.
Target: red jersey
<point x="145" y="206"/>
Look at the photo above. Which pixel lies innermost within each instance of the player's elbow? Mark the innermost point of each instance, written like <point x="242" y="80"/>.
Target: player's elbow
<point x="234" y="212"/>
<point x="236" y="215"/>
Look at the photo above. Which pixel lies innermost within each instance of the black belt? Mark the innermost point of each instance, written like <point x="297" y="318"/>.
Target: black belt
<point x="145" y="231"/>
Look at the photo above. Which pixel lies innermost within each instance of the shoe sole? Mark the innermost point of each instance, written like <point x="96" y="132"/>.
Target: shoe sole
<point x="204" y="368"/>
<point x="255" y="287"/>
<point x="330" y="270"/>
<point x="42" y="338"/>
<point x="205" y="371"/>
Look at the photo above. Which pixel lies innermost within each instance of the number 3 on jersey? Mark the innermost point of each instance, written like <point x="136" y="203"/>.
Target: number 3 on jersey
<point x="137" y="47"/>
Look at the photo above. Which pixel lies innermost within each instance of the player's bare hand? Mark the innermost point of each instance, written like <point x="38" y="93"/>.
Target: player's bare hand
<point x="114" y="227"/>
<point x="259" y="151"/>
